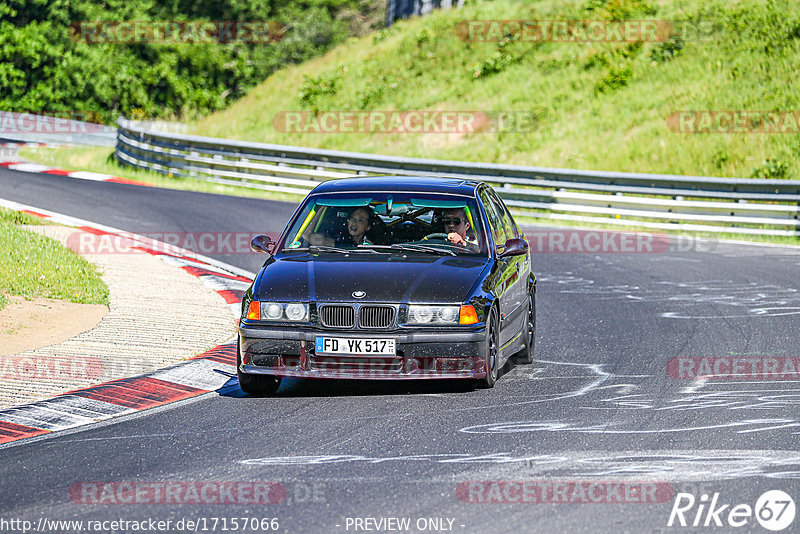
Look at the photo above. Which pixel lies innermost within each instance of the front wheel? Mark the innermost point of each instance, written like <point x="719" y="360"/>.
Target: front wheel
<point x="491" y="352"/>
<point x="255" y="384"/>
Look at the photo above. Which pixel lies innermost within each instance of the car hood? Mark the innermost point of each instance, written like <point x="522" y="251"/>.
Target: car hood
<point x="384" y="278"/>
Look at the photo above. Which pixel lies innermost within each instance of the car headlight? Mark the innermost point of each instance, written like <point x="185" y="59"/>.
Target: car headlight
<point x="272" y="310"/>
<point x="296" y="312"/>
<point x="277" y="311"/>
<point x="433" y="314"/>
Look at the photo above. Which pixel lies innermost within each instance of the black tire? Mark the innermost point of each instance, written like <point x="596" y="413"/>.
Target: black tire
<point x="255" y="384"/>
<point x="525" y="356"/>
<point x="492" y="352"/>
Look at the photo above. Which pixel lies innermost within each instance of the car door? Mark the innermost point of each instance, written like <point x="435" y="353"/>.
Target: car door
<point x="518" y="267"/>
<point x="506" y="267"/>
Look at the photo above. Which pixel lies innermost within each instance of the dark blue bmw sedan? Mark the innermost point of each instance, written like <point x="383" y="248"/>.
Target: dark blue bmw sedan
<point x="390" y="277"/>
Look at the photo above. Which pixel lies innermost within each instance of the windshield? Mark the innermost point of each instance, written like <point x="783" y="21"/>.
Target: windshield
<point x="411" y="222"/>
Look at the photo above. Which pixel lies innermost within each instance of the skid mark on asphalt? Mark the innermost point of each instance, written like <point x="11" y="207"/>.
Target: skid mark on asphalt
<point x="493" y="458"/>
<point x="734" y="299"/>
<point x="601" y="391"/>
<point x="666" y="465"/>
<point x="513" y="427"/>
<point x="738" y="407"/>
<point x="594" y="371"/>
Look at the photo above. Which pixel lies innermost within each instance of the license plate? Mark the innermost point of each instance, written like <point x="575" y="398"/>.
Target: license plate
<point x="348" y="345"/>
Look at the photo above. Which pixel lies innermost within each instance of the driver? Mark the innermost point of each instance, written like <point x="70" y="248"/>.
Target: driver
<point x="456" y="226"/>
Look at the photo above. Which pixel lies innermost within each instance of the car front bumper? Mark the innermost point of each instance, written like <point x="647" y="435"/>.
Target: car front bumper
<point x="420" y="354"/>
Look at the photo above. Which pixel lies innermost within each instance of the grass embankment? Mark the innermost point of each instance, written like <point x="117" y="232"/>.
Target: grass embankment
<point x="598" y="106"/>
<point x="36" y="266"/>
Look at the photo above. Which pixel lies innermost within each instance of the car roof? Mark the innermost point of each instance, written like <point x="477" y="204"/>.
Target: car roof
<point x="416" y="184"/>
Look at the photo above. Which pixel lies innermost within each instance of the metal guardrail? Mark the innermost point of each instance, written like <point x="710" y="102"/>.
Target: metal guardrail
<point x="689" y="203"/>
<point x="54" y="130"/>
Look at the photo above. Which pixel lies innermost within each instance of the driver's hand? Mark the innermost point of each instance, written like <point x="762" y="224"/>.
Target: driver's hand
<point x="456" y="239"/>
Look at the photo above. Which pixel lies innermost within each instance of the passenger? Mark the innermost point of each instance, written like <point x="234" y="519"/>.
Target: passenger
<point x="359" y="222"/>
<point x="457" y="228"/>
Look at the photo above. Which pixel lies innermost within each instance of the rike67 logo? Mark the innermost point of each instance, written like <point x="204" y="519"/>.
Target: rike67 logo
<point x="774" y="510"/>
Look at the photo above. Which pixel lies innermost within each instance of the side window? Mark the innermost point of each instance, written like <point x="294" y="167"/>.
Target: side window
<point x="512" y="224"/>
<point x="495" y="219"/>
<point x="509" y="228"/>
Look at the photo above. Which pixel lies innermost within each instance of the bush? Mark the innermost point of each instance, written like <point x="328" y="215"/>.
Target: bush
<point x="43" y="70"/>
<point x="619" y="9"/>
<point x="314" y="88"/>
<point x="616" y="78"/>
<point x="501" y="58"/>
<point x="719" y="159"/>
<point x="771" y="168"/>
<point x="667" y="50"/>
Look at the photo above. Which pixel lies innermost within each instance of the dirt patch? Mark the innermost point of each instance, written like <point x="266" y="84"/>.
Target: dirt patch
<point x="30" y="324"/>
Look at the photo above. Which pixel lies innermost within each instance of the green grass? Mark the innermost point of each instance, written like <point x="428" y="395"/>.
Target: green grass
<point x="36" y="266"/>
<point x="18" y="217"/>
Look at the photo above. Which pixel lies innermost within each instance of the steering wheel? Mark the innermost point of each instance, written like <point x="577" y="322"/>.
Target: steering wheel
<point x="438" y="235"/>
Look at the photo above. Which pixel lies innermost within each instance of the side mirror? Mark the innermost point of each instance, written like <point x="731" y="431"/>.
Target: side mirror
<point x="515" y="247"/>
<point x="262" y="243"/>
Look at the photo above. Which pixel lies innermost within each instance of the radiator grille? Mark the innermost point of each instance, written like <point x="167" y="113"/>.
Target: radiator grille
<point x="337" y="316"/>
<point x="375" y="316"/>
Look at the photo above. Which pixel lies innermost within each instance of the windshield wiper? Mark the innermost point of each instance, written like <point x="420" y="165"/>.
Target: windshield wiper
<point x="422" y="248"/>
<point x="324" y="248"/>
<point x="415" y="248"/>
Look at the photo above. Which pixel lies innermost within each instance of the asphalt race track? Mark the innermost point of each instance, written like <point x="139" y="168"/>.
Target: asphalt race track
<point x="599" y="405"/>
